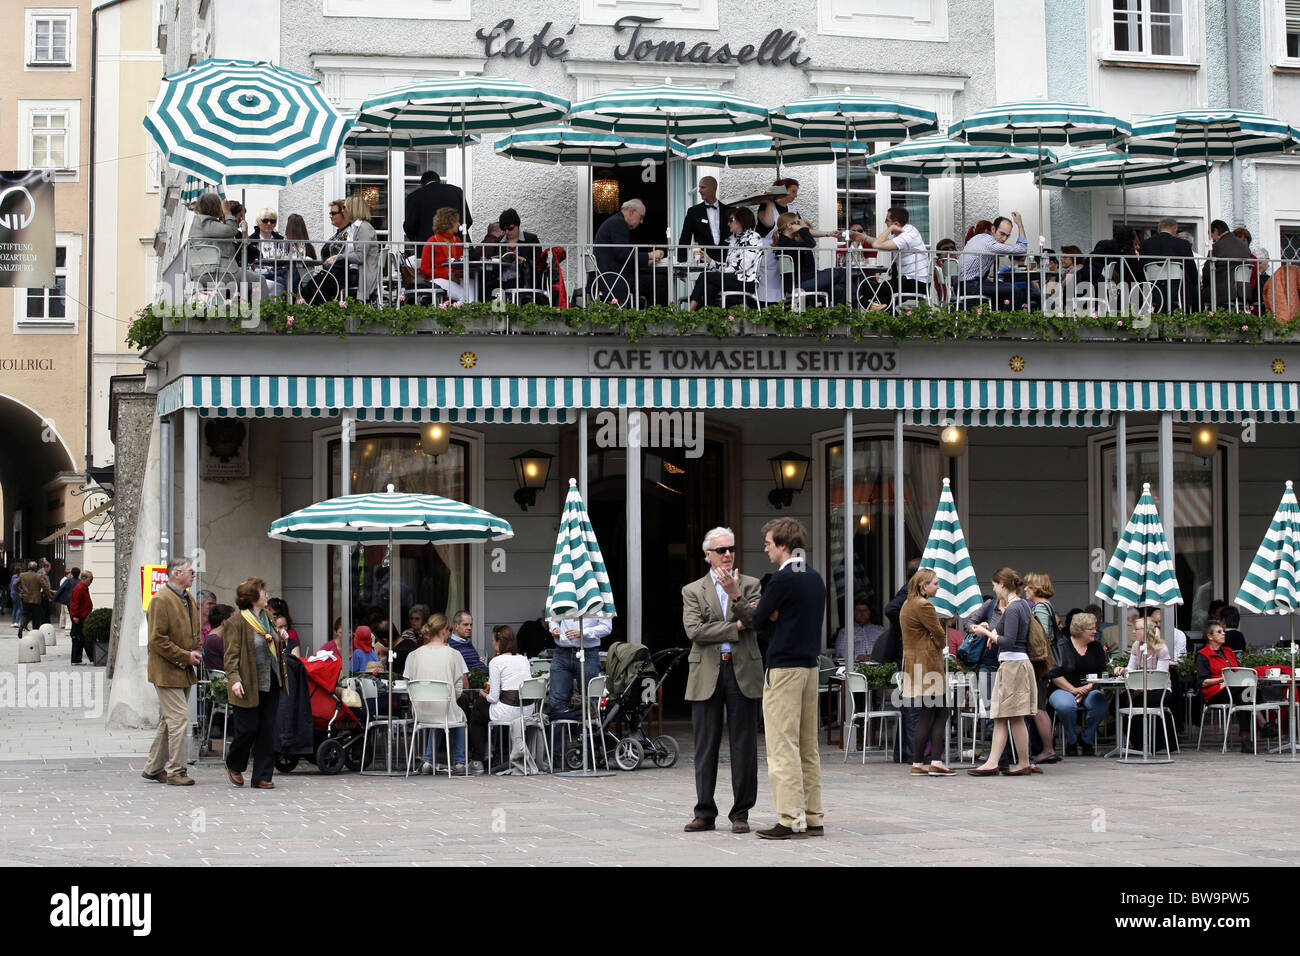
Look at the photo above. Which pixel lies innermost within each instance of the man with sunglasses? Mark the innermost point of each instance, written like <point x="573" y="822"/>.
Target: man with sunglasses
<point x="726" y="677"/>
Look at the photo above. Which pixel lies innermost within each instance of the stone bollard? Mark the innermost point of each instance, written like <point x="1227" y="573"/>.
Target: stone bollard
<point x="50" y="634"/>
<point x="39" y="637"/>
<point x="29" y="648"/>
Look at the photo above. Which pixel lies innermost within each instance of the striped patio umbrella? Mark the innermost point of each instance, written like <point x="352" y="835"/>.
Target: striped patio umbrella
<point x="756" y="150"/>
<point x="363" y="137"/>
<point x="1103" y="168"/>
<point x="1141" y="571"/>
<point x="1040" y="123"/>
<point x="195" y="187"/>
<point x="1272" y="584"/>
<point x="565" y="146"/>
<point x="245" y="124"/>
<point x="935" y="157"/>
<point x="579" y="589"/>
<point x="392" y="519"/>
<point x="946" y="553"/>
<point x="1211" y="135"/>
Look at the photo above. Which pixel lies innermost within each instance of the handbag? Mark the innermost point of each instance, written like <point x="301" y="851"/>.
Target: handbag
<point x="972" y="649"/>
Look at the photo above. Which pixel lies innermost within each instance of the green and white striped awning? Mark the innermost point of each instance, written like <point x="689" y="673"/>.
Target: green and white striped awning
<point x="543" y="399"/>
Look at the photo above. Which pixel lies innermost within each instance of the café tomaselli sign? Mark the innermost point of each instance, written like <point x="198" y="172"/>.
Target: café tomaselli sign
<point x="742" y="361"/>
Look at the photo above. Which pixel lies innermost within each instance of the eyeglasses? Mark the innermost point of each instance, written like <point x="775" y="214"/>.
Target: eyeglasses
<point x="336" y="212"/>
<point x="730" y="549"/>
<point x="269" y="222"/>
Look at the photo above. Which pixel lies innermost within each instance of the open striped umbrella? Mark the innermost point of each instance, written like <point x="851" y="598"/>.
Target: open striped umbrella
<point x="946" y="553"/>
<point x="1272" y="584"/>
<point x="245" y="124"/>
<point x="1040" y="123"/>
<point x="759" y="150"/>
<point x="361" y="137"/>
<point x="934" y="157"/>
<point x="195" y="187"/>
<point x="579" y="589"/>
<point x="1103" y="168"/>
<point x="565" y="146"/>
<point x="1141" y="571"/>
<point x="1211" y="135"/>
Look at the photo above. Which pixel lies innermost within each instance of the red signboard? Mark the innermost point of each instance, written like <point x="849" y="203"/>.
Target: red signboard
<point x="76" y="538"/>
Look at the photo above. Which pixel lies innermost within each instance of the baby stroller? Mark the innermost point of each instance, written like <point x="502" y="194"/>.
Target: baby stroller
<point x="337" y="730"/>
<point x="631" y="690"/>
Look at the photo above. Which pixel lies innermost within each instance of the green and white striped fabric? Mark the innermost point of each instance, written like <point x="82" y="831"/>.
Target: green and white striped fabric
<point x="684" y="112"/>
<point x="936" y="156"/>
<point x="1213" y="134"/>
<point x="390" y="516"/>
<point x="565" y="146"/>
<point x="383" y="396"/>
<point x="579" y="582"/>
<point x="1272" y="584"/>
<point x="195" y="187"/>
<point x="946" y="553"/>
<point x="1040" y="123"/>
<point x="245" y="124"/>
<point x="852" y="117"/>
<point x="757" y="150"/>
<point x="462" y="105"/>
<point x="366" y="137"/>
<point x="1106" y="169"/>
<point x="1141" y="571"/>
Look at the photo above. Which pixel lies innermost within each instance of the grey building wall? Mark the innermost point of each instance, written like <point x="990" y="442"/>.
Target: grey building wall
<point x="1068" y="48"/>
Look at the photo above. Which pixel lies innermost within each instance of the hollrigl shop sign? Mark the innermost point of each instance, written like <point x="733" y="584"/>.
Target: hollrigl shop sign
<point x="26" y="230"/>
<point x="636" y="44"/>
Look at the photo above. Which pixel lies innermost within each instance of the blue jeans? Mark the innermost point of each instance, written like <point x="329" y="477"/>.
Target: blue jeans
<point x="564" y="671"/>
<point x="457" y="744"/>
<point x="1067" y="710"/>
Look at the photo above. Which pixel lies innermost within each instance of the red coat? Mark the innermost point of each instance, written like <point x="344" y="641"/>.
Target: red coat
<point x="80" y="605"/>
<point x="440" y="250"/>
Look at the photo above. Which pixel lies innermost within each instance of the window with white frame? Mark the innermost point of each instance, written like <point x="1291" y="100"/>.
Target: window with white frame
<point x="48" y="135"/>
<point x="50" y="37"/>
<point x="383" y="179"/>
<point x="1149" y="28"/>
<point x="1291" y="29"/>
<point x="1289" y="242"/>
<point x="54" y="308"/>
<point x="870" y="194"/>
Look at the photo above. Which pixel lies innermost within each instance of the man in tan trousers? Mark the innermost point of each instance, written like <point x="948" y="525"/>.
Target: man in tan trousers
<point x="174" y="653"/>
<point x="795" y="601"/>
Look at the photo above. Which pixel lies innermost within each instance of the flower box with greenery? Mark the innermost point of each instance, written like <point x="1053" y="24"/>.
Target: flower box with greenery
<point x="95" y="633"/>
<point x="478" y="679"/>
<point x="1115" y="663"/>
<point x="1265" y="657"/>
<point x="878" y="675"/>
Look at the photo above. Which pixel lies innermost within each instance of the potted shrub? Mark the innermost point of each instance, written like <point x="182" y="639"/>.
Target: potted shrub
<point x="94" y="634"/>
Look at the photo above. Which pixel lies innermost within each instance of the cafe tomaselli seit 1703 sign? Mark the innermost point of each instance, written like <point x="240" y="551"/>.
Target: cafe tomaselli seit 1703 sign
<point x="742" y="361"/>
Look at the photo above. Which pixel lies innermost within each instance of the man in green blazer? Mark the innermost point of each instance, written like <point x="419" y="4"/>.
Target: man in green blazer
<point x="174" y="652"/>
<point x="726" y="676"/>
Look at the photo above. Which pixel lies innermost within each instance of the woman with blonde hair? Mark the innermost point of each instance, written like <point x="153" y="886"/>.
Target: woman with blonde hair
<point x="923" y="677"/>
<point x="351" y="258"/>
<point x="1038" y="589"/>
<point x="1081" y="656"/>
<point x="1015" y="689"/>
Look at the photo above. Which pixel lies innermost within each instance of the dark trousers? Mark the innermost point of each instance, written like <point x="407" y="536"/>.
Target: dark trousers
<point x="255" y="732"/>
<point x="709" y="287"/>
<point x="478" y="728"/>
<point x="932" y="729"/>
<point x="31" y="615"/>
<point x="742" y="737"/>
<point x="75" y="634"/>
<point x="911" y="717"/>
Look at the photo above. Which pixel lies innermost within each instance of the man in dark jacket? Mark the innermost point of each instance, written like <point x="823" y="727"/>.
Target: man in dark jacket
<point x="1217" y="277"/>
<point x="634" y="266"/>
<point x="795" y="601"/>
<point x="705" y="223"/>
<point x="422" y="205"/>
<point x="1165" y="244"/>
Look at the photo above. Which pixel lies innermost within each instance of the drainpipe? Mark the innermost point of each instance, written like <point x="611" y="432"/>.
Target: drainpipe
<point x="1234" y="99"/>
<point x="90" y="229"/>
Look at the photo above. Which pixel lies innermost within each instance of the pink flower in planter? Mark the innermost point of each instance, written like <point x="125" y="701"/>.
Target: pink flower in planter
<point x="302" y="301"/>
<point x="1006" y="301"/>
<point x="442" y="304"/>
<point x="1060" y="315"/>
<point x="1092" y="315"/>
<point x="1119" y="324"/>
<point x="1245" y="328"/>
<point x="289" y="321"/>
<point x="342" y="303"/>
<point x="909" y="311"/>
<point x="456" y="304"/>
<point x="731" y="318"/>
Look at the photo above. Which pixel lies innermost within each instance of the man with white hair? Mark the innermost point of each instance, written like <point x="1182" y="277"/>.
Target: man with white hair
<point x="627" y="272"/>
<point x="726" y="676"/>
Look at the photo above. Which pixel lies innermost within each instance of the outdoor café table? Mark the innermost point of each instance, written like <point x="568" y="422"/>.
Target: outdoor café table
<point x="268" y="266"/>
<point x="1112" y="684"/>
<point x="1283" y="680"/>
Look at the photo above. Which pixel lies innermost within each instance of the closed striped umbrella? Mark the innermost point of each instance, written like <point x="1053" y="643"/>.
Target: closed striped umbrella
<point x="565" y="146"/>
<point x="1272" y="584"/>
<point x="389" y="517"/>
<point x="946" y="553"/>
<point x="1211" y="135"/>
<point x="1141" y="571"/>
<point x="579" y="582"/>
<point x="245" y="124"/>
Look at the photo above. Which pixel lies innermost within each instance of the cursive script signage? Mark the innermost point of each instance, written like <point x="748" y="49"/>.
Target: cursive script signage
<point x="743" y="361"/>
<point x="778" y="48"/>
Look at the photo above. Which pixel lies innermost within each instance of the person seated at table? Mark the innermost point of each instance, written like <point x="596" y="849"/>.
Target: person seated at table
<point x="1233" y="637"/>
<point x="627" y="272"/>
<point x="1219" y="286"/>
<point x="298" y="249"/>
<point x="516" y="267"/>
<point x="1081" y="656"/>
<point x="911" y="273"/>
<point x="350" y="260"/>
<point x="984" y="244"/>
<point x="1019" y="284"/>
<point x="1210" y="662"/>
<point x="499" y="701"/>
<point x="865" y="634"/>
<point x="435" y="660"/>
<point x="1149" y="653"/>
<point x="739" y="271"/>
<point x="267" y="244"/>
<point x="795" y="235"/>
<point x="441" y="259"/>
<point x="410" y="638"/>
<point x="363" y="650"/>
<point x="214" y="645"/>
<point x="217" y="250"/>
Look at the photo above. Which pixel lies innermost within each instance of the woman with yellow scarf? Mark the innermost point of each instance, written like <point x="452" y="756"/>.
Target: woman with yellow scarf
<point x="255" y="679"/>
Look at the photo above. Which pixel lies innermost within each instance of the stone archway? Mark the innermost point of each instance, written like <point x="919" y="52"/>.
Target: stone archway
<point x="33" y="454"/>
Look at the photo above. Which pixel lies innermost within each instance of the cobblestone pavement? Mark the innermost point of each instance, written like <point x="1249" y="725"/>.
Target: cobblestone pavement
<point x="60" y="805"/>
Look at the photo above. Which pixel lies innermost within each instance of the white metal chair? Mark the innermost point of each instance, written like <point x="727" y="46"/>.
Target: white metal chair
<point x="798" y="297"/>
<point x="431" y="703"/>
<point x="368" y="688"/>
<point x="856" y="683"/>
<point x="595" y="691"/>
<point x="1155" y="682"/>
<point x="1247" y="680"/>
<point x="532" y="693"/>
<point x="1217" y="711"/>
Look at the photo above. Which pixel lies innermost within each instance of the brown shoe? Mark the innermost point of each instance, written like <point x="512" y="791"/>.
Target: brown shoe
<point x="981" y="772"/>
<point x="739" y="826"/>
<point x="698" y="825"/>
<point x="181" y="779"/>
<point x="264" y="785"/>
<point x="159" y="777"/>
<point x="779" y="832"/>
<point x="235" y="776"/>
<point x="920" y="771"/>
<point x="816" y="831"/>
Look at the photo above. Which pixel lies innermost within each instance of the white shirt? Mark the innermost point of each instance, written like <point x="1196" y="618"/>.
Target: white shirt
<point x="505" y="672"/>
<point x="715" y="222"/>
<point x="593" y="629"/>
<point x="439" y="662"/>
<point x="725" y="647"/>
<point x="912" y="265"/>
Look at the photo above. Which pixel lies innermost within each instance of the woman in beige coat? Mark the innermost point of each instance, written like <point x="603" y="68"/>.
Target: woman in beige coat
<point x="923" y="678"/>
<point x="255" y="678"/>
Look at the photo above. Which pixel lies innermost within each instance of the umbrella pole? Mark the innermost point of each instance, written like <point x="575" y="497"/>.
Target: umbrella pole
<point x="1041" y="230"/>
<point x="394" y="610"/>
<point x="1208" y="214"/>
<point x="1291" y="706"/>
<point x="586" y="709"/>
<point x="962" y="173"/>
